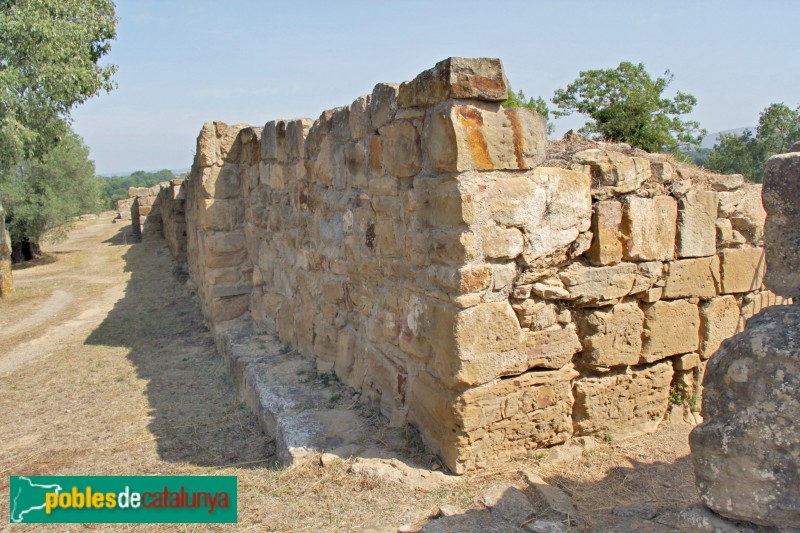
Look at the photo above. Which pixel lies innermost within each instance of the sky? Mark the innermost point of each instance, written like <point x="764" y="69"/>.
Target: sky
<point x="185" y="62"/>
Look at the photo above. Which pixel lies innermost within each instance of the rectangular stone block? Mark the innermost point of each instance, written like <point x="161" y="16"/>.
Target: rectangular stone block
<point x="670" y="328"/>
<point x="273" y="140"/>
<point x="296" y="132"/>
<point x="781" y="201"/>
<point x="611" y="336"/>
<point x="649" y="225"/>
<point x="688" y="278"/>
<point x="612" y="172"/>
<point x="598" y="285"/>
<point x="456" y="78"/>
<point x="624" y="403"/>
<point x="741" y="269"/>
<point x="221" y="182"/>
<point x="607" y="244"/>
<point x="697" y="218"/>
<point x="460" y="137"/>
<point x="221" y="215"/>
<point x="400" y="149"/>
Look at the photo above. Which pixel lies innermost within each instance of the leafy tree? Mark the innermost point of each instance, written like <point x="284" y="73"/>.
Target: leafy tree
<point x="49" y="54"/>
<point x="43" y="196"/>
<point x="626" y="105"/>
<point x="539" y="105"/>
<point x="778" y="128"/>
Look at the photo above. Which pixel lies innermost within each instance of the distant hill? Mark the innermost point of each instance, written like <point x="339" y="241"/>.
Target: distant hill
<point x="176" y="172"/>
<point x="713" y="138"/>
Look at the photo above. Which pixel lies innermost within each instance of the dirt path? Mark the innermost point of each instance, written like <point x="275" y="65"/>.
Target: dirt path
<point x="106" y="368"/>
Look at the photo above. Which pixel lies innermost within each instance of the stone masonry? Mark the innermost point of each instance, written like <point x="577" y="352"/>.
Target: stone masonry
<point x="501" y="293"/>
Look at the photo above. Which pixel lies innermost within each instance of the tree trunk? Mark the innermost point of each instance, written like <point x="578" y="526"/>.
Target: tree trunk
<point x="6" y="280"/>
<point x="25" y="250"/>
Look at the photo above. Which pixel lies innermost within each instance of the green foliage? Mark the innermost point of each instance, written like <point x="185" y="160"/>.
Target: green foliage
<point x="117" y="188"/>
<point x="45" y="195"/>
<point x="626" y="105"/>
<point x="49" y="53"/>
<point x="778" y="128"/>
<point x="539" y="105"/>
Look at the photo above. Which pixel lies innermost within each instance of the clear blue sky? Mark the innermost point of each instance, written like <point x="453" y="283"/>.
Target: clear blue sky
<point x="184" y="62"/>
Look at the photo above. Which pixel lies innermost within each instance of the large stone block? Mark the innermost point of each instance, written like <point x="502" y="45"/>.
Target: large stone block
<point x="598" y="285"/>
<point x="400" y="149"/>
<point x="442" y="202"/>
<point x="781" y="200"/>
<point x="741" y="269"/>
<point x="670" y="328"/>
<point x="607" y="239"/>
<point x="649" y="225"/>
<point x="611" y="337"/>
<point x="460" y="137"/>
<point x="382" y="104"/>
<point x="612" y="171"/>
<point x="456" y="78"/>
<point x="502" y="243"/>
<point x="224" y="249"/>
<point x="221" y="182"/>
<point x="688" y="278"/>
<point x="623" y="403"/>
<point x="748" y="215"/>
<point x="719" y="320"/>
<point x="745" y="452"/>
<point x="697" y="218"/>
<point x="296" y="132"/>
<point x="221" y="215"/>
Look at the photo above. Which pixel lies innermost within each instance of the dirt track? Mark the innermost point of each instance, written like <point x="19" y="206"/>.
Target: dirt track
<point x="106" y="368"/>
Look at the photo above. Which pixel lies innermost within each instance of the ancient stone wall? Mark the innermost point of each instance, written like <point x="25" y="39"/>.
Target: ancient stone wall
<point x="430" y="248"/>
<point x="146" y="210"/>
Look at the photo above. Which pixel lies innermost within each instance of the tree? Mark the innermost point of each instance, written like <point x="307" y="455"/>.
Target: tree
<point x="778" y="128"/>
<point x="49" y="54"/>
<point x="42" y="197"/>
<point x="538" y="105"/>
<point x="117" y="188"/>
<point x="626" y="105"/>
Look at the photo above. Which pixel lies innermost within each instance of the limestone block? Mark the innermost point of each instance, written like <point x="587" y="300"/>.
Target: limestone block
<point x="607" y="244"/>
<point x="670" y="328"/>
<point x="611" y="336"/>
<point x="687" y="361"/>
<point x="727" y="237"/>
<point x="502" y="243"/>
<point x="503" y="275"/>
<point x="745" y="451"/>
<point x="623" y="403"/>
<point x="782" y="231"/>
<point x="741" y="269"/>
<point x="224" y="249"/>
<point x="648" y="275"/>
<point x="273" y="140"/>
<point x="649" y="225"/>
<point x="752" y="303"/>
<point x="461" y="137"/>
<point x="375" y="159"/>
<point x="221" y="215"/>
<point x="598" y="285"/>
<point x="697" y="218"/>
<point x="466" y="279"/>
<point x="719" y="320"/>
<point x="228" y="308"/>
<point x="340" y="124"/>
<point x="725" y="182"/>
<point x="748" y="216"/>
<point x="613" y="170"/>
<point x="400" y="149"/>
<point x="456" y="78"/>
<point x="207" y="152"/>
<point x="382" y="104"/>
<point x="318" y="131"/>
<point x="296" y="132"/>
<point x="453" y="247"/>
<point x="221" y="182"/>
<point x="688" y="278"/>
<point x="426" y="326"/>
<point x="359" y="118"/>
<point x="536" y="315"/>
<point x="355" y="164"/>
<point x="441" y="202"/>
<point x="552" y="205"/>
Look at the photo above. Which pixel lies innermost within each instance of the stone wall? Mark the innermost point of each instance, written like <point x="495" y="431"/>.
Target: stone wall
<point x="146" y="210"/>
<point x="500" y="293"/>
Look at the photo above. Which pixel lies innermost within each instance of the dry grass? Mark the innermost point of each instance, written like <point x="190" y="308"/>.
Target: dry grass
<point x="143" y="392"/>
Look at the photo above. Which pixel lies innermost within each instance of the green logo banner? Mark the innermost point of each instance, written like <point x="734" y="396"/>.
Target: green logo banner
<point x="122" y="499"/>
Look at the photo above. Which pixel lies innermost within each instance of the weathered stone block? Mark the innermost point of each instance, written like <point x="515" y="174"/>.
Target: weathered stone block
<point x="687" y="361"/>
<point x="221" y="215"/>
<point x="611" y="337"/>
<point x="670" y="328"/>
<point x="741" y="269"/>
<point x="781" y="191"/>
<point x="221" y="182"/>
<point x="296" y="132"/>
<point x="273" y="140"/>
<point x="614" y="171"/>
<point x="688" y="278"/>
<point x="400" y="149"/>
<point x="502" y="243"/>
<point x="359" y="118"/>
<point x="596" y="285"/>
<point x="748" y="216"/>
<point x="453" y="247"/>
<point x="697" y="218"/>
<point x="607" y="239"/>
<point x="456" y="78"/>
<point x="624" y="403"/>
<point x="224" y="249"/>
<point x="441" y="202"/>
<point x="745" y="451"/>
<point x="460" y="137"/>
<point x="719" y="320"/>
<point x="649" y="226"/>
<point x="382" y="104"/>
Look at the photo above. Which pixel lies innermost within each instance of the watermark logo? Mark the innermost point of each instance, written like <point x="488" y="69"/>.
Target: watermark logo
<point x="122" y="499"/>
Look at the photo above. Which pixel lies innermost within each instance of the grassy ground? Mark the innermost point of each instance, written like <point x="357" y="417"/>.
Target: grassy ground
<point x="113" y="372"/>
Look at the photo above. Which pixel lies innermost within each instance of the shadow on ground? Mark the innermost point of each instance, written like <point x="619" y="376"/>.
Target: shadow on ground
<point x="195" y="414"/>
